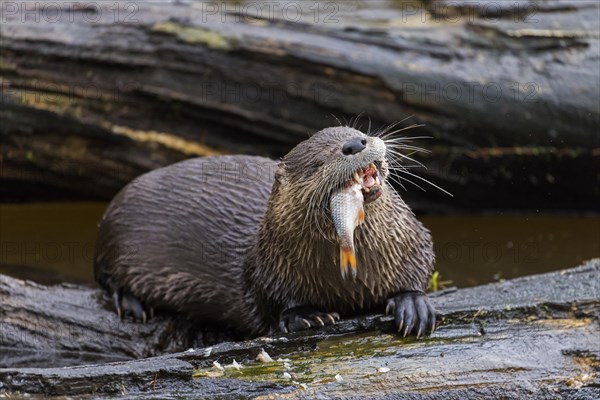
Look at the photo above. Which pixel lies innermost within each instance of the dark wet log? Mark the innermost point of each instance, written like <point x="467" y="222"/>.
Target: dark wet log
<point x="95" y="95"/>
<point x="531" y="337"/>
<point x="78" y="325"/>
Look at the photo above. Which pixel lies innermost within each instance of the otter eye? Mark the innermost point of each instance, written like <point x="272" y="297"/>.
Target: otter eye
<point x="353" y="146"/>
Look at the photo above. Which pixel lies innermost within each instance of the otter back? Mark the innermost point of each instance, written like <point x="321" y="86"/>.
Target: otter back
<point x="177" y="236"/>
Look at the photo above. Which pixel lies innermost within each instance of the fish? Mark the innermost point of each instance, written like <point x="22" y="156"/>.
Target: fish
<point x="347" y="213"/>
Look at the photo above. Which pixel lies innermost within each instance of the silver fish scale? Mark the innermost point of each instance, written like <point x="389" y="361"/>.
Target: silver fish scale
<point x="345" y="208"/>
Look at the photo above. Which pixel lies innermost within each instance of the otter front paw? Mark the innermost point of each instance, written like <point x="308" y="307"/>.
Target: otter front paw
<point x="412" y="312"/>
<point x="305" y="317"/>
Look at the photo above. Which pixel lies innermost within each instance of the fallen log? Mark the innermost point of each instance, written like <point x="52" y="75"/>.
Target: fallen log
<point x="531" y="337"/>
<point x="94" y="94"/>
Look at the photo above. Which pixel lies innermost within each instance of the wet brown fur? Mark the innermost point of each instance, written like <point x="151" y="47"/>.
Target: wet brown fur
<point x="225" y="248"/>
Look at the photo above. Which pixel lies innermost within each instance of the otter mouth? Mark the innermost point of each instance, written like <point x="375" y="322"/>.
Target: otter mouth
<point x="368" y="179"/>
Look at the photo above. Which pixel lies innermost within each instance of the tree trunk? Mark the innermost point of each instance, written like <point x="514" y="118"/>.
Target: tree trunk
<point x="94" y="94"/>
<point x="532" y="337"/>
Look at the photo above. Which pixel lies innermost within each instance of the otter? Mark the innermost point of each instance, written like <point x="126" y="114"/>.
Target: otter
<point x="248" y="243"/>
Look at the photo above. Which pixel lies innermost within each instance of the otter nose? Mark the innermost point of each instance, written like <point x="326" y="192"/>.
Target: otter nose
<point x="354" y="145"/>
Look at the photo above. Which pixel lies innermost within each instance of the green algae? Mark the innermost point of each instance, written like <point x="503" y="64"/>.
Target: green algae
<point x="195" y="35"/>
<point x="326" y="361"/>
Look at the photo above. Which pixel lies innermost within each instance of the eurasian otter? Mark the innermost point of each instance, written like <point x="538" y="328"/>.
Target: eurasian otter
<point x="249" y="243"/>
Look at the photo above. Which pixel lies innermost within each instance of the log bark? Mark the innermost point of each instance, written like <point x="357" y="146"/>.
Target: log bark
<point x="532" y="337"/>
<point x="100" y="94"/>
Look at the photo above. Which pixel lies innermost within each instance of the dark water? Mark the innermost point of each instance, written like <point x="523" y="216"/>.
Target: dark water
<point x="54" y="242"/>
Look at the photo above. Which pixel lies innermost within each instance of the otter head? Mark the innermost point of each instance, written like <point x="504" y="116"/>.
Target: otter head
<point x="329" y="161"/>
<point x="334" y="157"/>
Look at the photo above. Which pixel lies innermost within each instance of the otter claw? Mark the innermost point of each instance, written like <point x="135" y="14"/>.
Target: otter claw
<point x="304" y="317"/>
<point x="389" y="308"/>
<point x="127" y="304"/>
<point x="333" y="317"/>
<point x="413" y="313"/>
<point x="117" y="298"/>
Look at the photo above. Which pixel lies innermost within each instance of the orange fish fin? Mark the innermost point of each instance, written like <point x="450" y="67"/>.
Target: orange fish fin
<point x="347" y="259"/>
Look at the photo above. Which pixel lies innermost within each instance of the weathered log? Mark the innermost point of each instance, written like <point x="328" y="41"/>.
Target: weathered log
<point x="532" y="337"/>
<point x="94" y="94"/>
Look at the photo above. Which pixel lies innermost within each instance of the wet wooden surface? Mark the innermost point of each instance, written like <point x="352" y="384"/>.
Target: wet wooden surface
<point x="508" y="90"/>
<point x="531" y="337"/>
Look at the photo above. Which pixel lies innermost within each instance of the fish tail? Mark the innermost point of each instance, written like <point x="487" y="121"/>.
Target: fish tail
<point x="347" y="260"/>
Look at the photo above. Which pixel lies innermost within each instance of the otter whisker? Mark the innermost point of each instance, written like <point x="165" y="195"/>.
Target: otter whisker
<point x="387" y="135"/>
<point x="337" y="119"/>
<point x="393" y="165"/>
<point x="405" y="166"/>
<point x="407" y="157"/>
<point x="399" y="145"/>
<point x="391" y="126"/>
<point x="398" y="149"/>
<point x="396" y="178"/>
<point x="429" y="182"/>
<point x="397" y="167"/>
<point x="356" y="120"/>
<point x="392" y="151"/>
<point x="393" y="158"/>
<point x="409" y="138"/>
<point x="414" y="149"/>
<point x="385" y="129"/>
